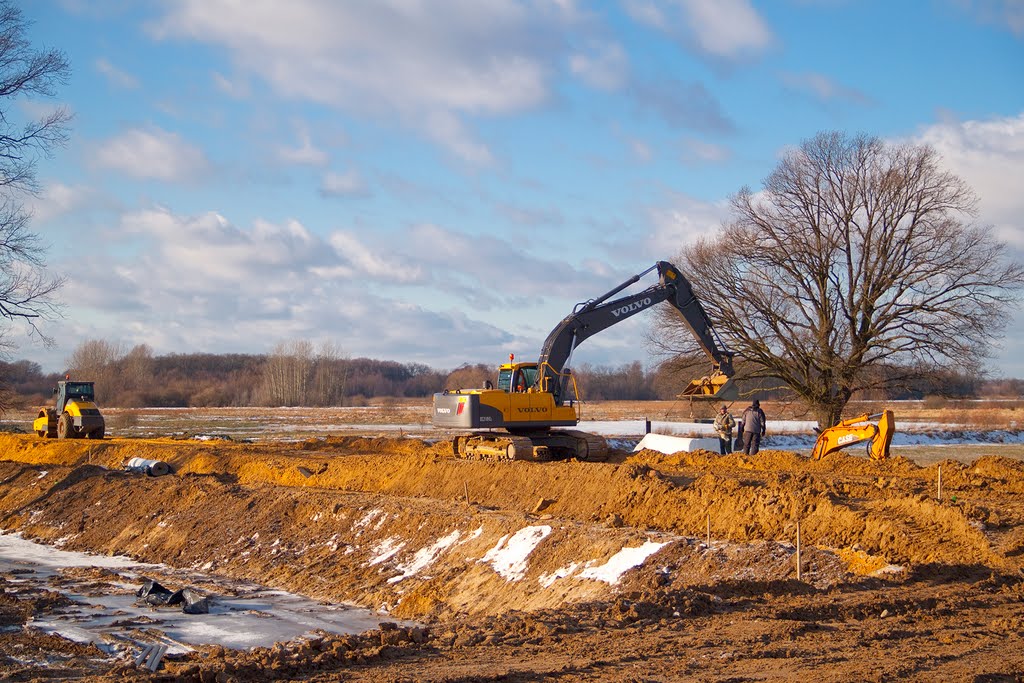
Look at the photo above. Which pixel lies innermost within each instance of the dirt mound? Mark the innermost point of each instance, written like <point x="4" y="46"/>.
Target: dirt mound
<point x="501" y="556"/>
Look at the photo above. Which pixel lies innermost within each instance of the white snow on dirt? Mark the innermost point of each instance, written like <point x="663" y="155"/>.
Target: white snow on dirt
<point x="509" y="556"/>
<point x="424" y="557"/>
<point x="621" y="562"/>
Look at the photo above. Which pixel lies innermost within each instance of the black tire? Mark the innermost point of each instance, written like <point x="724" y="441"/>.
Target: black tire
<point x="65" y="427"/>
<point x="41" y="433"/>
<point x="96" y="433"/>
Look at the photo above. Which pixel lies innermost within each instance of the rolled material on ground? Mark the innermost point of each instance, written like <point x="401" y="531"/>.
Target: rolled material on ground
<point x="154" y="468"/>
<point x="674" y="444"/>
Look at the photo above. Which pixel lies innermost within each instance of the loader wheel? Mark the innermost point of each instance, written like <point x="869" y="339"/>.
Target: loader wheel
<point x="96" y="433"/>
<point x="65" y="427"/>
<point x="41" y="433"/>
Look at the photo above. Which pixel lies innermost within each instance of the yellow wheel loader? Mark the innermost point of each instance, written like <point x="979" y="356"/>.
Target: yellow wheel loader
<point x="534" y="402"/>
<point x="74" y="415"/>
<point x="858" y="430"/>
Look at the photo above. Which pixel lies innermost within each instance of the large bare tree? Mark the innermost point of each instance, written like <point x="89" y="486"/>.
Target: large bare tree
<point x="27" y="290"/>
<point x="856" y="256"/>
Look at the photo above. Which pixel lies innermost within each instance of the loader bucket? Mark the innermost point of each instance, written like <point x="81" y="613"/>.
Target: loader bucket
<point x="716" y="386"/>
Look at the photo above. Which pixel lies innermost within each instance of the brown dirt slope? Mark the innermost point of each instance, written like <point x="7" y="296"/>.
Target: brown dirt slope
<point x="385" y="523"/>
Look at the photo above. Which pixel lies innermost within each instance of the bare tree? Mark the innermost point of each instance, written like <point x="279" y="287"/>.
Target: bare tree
<point x="27" y="291"/>
<point x="95" y="360"/>
<point x="330" y="375"/>
<point x="286" y="374"/>
<point x="856" y="254"/>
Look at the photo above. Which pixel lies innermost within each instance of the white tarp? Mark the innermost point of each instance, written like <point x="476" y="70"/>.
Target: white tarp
<point x="675" y="444"/>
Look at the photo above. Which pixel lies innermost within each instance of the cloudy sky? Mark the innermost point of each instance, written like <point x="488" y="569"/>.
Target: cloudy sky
<point x="441" y="181"/>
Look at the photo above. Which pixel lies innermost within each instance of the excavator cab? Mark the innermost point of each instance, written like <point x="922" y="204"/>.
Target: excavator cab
<point x="517" y="378"/>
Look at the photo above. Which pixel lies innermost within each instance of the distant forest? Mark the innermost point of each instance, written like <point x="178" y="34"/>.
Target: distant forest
<point x="299" y="374"/>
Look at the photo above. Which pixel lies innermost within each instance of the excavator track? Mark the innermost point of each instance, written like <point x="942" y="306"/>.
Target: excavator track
<point x="538" y="446"/>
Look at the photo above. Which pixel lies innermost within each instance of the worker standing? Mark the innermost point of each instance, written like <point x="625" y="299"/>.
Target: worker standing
<point x="724" y="422"/>
<point x="754" y="423"/>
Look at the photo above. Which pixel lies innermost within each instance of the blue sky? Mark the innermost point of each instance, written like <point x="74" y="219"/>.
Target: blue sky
<point x="440" y="182"/>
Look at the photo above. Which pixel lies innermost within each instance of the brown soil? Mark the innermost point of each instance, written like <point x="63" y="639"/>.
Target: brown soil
<point x="894" y="583"/>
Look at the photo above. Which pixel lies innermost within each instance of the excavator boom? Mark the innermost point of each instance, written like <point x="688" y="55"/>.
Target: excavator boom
<point x="596" y="315"/>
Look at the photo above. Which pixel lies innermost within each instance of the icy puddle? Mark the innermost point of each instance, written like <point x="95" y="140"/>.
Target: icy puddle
<point x="241" y="615"/>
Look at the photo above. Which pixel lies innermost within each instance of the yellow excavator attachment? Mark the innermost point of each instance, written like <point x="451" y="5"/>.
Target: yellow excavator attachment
<point x="717" y="386"/>
<point x="857" y="430"/>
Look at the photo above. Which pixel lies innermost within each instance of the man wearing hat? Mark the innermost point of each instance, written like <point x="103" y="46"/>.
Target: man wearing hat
<point x="754" y="423"/>
<point x="724" y="423"/>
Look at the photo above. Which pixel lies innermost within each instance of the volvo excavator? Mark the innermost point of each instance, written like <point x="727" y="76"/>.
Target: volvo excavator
<point x="534" y="402"/>
<point x="858" y="430"/>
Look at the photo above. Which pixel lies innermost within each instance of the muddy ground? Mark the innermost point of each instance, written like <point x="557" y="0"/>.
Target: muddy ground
<point x="894" y="582"/>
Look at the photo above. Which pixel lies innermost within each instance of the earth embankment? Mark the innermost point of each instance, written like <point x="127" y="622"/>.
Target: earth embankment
<point x="400" y="525"/>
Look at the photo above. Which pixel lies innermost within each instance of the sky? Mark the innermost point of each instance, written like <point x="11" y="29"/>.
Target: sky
<point x="441" y="182"/>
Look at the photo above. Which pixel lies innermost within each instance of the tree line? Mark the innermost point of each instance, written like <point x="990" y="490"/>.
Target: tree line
<point x="298" y="373"/>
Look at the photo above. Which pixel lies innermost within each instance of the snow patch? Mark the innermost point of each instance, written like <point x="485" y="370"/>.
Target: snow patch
<point x="508" y="557"/>
<point x="548" y="580"/>
<point x="386" y="549"/>
<point x="622" y="561"/>
<point x="424" y="557"/>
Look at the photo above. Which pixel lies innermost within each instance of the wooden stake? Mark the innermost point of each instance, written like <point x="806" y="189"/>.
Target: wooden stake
<point x="939" y="486"/>
<point x="465" y="485"/>
<point x="799" y="573"/>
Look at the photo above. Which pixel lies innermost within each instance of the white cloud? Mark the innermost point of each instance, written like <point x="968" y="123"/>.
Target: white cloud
<point x="1008" y="13"/>
<point x="237" y="88"/>
<point x="116" y="76"/>
<point x="989" y="156"/>
<point x="58" y="199"/>
<point x="449" y="59"/>
<point x="696" y="151"/>
<point x="349" y="184"/>
<point x="723" y="30"/>
<point x="152" y="153"/>
<point x="682" y="220"/>
<point x="361" y="260"/>
<point x="305" y="153"/>
<point x="682" y="105"/>
<point x="640" y="150"/>
<point x="605" y="67"/>
<point x="823" y="88"/>
<point x="447" y="130"/>
<point x="200" y="283"/>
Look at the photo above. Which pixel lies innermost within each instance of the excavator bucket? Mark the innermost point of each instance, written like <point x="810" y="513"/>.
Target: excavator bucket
<point x="879" y="449"/>
<point x="717" y="386"/>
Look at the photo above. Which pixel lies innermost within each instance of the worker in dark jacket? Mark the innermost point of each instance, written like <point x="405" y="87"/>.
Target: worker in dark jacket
<point x="754" y="423"/>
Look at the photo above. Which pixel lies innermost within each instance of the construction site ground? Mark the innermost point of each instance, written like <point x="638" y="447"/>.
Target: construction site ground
<point x="644" y="567"/>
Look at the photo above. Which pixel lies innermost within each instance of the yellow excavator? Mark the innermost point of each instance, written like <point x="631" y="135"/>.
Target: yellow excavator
<point x="878" y="435"/>
<point x="74" y="414"/>
<point x="534" y="402"/>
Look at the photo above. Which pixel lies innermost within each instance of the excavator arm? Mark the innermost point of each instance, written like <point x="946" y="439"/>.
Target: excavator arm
<point x="858" y="430"/>
<point x="590" y="317"/>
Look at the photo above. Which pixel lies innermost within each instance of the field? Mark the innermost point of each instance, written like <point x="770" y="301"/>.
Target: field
<point x="644" y="567"/>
